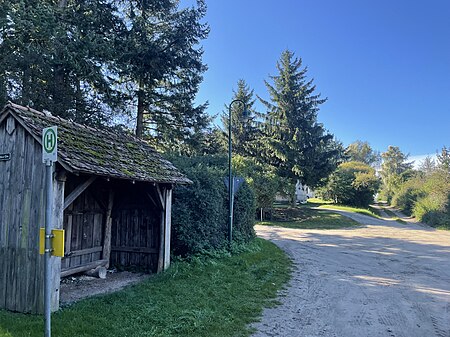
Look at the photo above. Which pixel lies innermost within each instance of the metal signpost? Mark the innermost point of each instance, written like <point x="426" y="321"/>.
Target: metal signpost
<point x="49" y="156"/>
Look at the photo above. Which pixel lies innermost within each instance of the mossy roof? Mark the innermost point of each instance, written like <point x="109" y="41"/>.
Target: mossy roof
<point x="83" y="149"/>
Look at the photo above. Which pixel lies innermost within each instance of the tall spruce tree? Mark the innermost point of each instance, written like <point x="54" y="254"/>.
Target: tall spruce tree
<point x="243" y="129"/>
<point x="294" y="141"/>
<point x="161" y="67"/>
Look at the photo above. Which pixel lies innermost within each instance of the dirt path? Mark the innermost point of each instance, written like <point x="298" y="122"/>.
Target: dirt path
<point x="383" y="279"/>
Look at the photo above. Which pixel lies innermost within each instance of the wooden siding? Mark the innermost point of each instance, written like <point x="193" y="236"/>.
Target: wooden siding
<point x="21" y="215"/>
<point x="84" y="223"/>
<point x="135" y="231"/>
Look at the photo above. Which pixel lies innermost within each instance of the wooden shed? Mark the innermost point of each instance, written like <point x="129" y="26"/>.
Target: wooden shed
<point x="112" y="195"/>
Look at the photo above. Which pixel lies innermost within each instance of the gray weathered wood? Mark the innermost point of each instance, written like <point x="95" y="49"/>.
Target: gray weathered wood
<point x="167" y="227"/>
<point x="143" y="250"/>
<point x="77" y="191"/>
<point x="99" y="272"/>
<point x="81" y="269"/>
<point x="108" y="225"/>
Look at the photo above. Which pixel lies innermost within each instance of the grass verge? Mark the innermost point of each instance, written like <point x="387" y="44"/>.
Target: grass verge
<point x="305" y="217"/>
<point x="363" y="211"/>
<point x="215" y="297"/>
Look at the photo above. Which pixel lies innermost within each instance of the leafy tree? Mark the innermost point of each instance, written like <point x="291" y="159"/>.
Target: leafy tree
<point x="262" y="178"/>
<point x="294" y="141"/>
<point x="353" y="183"/>
<point x="394" y="170"/>
<point x="363" y="152"/>
<point x="244" y="133"/>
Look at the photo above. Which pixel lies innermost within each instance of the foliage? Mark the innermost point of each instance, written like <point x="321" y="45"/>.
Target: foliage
<point x="428" y="165"/>
<point x="103" y="62"/>
<point x="433" y="207"/>
<point x="200" y="211"/>
<point x="443" y="160"/>
<point x="394" y="170"/>
<point x="161" y="67"/>
<point x="243" y="129"/>
<point x="408" y="193"/>
<point x="426" y="195"/>
<point x="353" y="183"/>
<point x="54" y="55"/>
<point x="216" y="297"/>
<point x="362" y="152"/>
<point x="261" y="177"/>
<point x="294" y="141"/>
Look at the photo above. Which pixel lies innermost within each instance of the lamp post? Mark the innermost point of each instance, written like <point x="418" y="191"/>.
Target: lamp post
<point x="230" y="172"/>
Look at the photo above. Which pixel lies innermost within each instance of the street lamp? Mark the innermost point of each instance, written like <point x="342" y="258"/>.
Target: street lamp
<point x="230" y="173"/>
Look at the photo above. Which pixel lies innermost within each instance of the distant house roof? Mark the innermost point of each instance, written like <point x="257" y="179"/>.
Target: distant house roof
<point x="83" y="149"/>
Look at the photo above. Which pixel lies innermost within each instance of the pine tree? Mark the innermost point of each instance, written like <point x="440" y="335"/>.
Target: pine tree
<point x="294" y="141"/>
<point x="54" y="55"/>
<point x="244" y="133"/>
<point x="161" y="67"/>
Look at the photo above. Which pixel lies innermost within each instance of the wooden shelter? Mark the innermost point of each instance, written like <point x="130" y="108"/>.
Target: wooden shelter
<point x="112" y="195"/>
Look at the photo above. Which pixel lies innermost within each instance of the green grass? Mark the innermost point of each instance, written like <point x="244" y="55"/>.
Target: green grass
<point x="322" y="220"/>
<point x="216" y="297"/>
<point x="363" y="211"/>
<point x="393" y="216"/>
<point x="305" y="217"/>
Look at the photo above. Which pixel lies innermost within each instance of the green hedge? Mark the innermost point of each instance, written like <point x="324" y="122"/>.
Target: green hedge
<point x="200" y="210"/>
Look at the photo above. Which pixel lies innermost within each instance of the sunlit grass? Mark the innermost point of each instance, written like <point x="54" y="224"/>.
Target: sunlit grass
<point x="363" y="211"/>
<point x="215" y="297"/>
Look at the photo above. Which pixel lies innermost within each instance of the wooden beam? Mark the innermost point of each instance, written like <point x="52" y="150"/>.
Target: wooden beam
<point x="85" y="251"/>
<point x="108" y="225"/>
<point x="167" y="227"/>
<point x="161" y="196"/>
<point x="81" y="269"/>
<point x="162" y="222"/>
<point x="144" y="250"/>
<point x="77" y="191"/>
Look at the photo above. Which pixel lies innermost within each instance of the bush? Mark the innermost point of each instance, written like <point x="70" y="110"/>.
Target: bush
<point x="407" y="195"/>
<point x="434" y="207"/>
<point x="353" y="183"/>
<point x="200" y="210"/>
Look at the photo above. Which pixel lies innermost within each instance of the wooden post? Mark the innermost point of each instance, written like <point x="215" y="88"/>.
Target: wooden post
<point x="108" y="225"/>
<point x="161" y="236"/>
<point x="167" y="225"/>
<point x="57" y="223"/>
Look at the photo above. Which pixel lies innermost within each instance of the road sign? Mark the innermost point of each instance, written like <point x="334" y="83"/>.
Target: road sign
<point x="50" y="144"/>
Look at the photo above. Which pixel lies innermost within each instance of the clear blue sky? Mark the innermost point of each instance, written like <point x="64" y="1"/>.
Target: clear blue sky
<point x="383" y="65"/>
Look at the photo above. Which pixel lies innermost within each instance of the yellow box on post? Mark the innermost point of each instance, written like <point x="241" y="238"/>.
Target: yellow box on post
<point x="57" y="242"/>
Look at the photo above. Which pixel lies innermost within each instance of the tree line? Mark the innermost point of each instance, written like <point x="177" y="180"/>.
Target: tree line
<point x="106" y="63"/>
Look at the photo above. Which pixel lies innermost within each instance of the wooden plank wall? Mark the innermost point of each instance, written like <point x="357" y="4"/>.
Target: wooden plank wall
<point x="84" y="223"/>
<point x="135" y="231"/>
<point x="21" y="215"/>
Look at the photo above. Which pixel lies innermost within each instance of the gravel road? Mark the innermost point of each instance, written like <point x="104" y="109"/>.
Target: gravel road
<point x="381" y="279"/>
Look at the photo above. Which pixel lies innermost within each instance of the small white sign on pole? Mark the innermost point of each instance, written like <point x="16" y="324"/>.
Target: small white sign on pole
<point x="50" y="144"/>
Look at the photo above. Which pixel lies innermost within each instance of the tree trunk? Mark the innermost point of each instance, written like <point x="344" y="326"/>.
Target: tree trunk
<point x="140" y="111"/>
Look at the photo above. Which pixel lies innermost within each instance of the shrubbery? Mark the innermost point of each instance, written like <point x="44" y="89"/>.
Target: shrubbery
<point x="427" y="197"/>
<point x="408" y="193"/>
<point x="353" y="183"/>
<point x="200" y="210"/>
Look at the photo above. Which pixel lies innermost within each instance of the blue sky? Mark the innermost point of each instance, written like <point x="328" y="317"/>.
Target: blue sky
<point x="383" y="65"/>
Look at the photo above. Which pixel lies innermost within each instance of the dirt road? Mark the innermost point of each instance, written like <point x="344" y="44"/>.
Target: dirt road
<point x="382" y="279"/>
